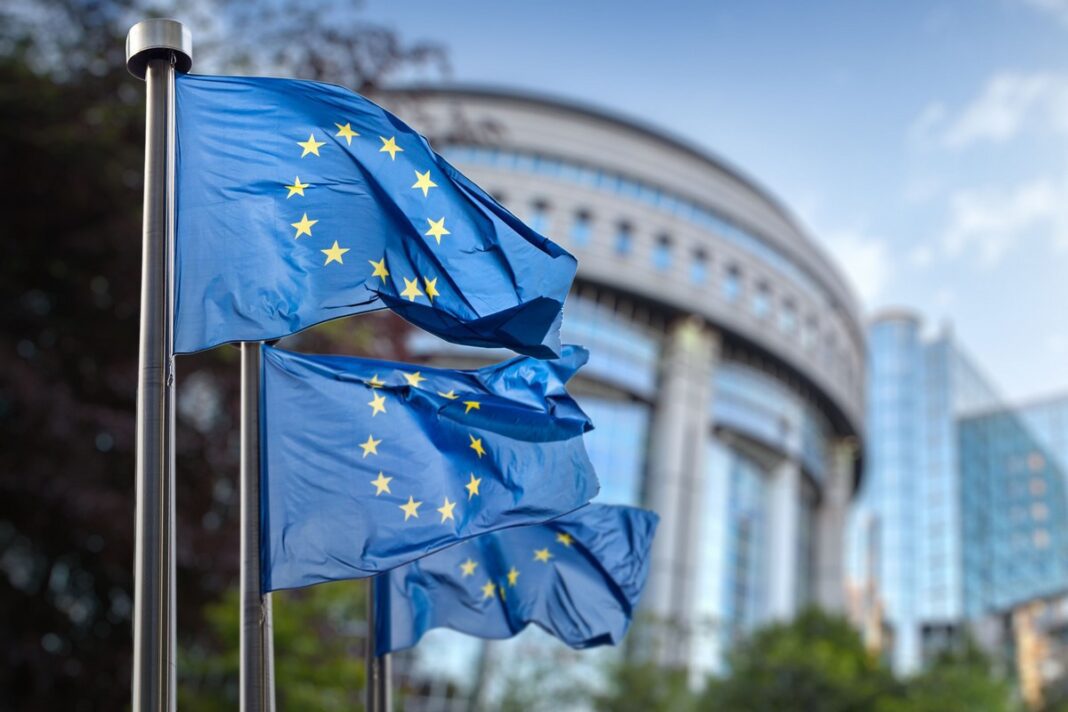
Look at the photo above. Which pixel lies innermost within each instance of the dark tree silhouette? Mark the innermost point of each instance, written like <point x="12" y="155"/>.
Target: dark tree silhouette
<point x="71" y="148"/>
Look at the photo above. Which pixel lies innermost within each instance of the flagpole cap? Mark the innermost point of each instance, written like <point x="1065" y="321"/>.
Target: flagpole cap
<point x="152" y="39"/>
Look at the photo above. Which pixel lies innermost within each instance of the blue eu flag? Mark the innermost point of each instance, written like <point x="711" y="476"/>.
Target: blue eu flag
<point x="367" y="465"/>
<point x="299" y="202"/>
<point x="578" y="577"/>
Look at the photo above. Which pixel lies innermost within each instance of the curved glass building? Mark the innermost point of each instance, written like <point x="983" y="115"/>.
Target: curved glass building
<point x="727" y="364"/>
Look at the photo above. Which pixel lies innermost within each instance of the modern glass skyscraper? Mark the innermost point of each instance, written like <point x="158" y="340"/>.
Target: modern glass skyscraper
<point x="962" y="517"/>
<point x="906" y="565"/>
<point x="727" y="365"/>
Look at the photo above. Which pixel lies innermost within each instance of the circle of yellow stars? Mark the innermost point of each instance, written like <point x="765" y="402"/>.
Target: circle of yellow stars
<point x="379" y="404"/>
<point x="492" y="588"/>
<point x="416" y="287"/>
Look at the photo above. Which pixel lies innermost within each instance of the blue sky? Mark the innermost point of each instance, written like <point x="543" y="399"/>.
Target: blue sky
<point x="925" y="143"/>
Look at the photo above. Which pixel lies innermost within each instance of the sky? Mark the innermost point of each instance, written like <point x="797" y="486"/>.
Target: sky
<point x="925" y="144"/>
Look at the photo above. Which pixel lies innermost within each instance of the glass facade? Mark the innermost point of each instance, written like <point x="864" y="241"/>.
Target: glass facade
<point x="1015" y="510"/>
<point x="731" y="586"/>
<point x="967" y="496"/>
<point x="756" y="404"/>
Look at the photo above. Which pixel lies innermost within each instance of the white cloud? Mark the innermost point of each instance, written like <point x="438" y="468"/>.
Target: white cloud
<point x="986" y="223"/>
<point x="1008" y="104"/>
<point x="864" y="259"/>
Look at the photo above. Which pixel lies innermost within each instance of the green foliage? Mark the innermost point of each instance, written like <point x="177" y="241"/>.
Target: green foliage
<point x="319" y="651"/>
<point x="957" y="681"/>
<point x="817" y="663"/>
<point x="644" y="687"/>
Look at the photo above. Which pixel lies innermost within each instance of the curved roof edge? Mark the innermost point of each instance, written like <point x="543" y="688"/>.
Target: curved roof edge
<point x="905" y="314"/>
<point x="851" y="302"/>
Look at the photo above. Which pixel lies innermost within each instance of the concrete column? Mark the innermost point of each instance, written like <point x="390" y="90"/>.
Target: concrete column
<point x="784" y="518"/>
<point x="674" y="489"/>
<point x="830" y="526"/>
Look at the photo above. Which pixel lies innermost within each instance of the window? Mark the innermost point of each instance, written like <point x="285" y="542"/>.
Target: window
<point x="580" y="229"/>
<point x="662" y="252"/>
<point x="788" y="317"/>
<point x="732" y="284"/>
<point x="624" y="239"/>
<point x="808" y="334"/>
<point x="699" y="267"/>
<point x="762" y="300"/>
<point x="539" y="217"/>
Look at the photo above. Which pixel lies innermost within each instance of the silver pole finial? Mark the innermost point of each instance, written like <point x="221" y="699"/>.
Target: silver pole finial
<point x="160" y="37"/>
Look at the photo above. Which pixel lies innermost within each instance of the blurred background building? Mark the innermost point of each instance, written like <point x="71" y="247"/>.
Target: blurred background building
<point x="960" y="528"/>
<point x="727" y="361"/>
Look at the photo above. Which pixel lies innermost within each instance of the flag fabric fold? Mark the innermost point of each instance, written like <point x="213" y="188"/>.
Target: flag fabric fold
<point x="299" y="202"/>
<point x="579" y="577"/>
<point x="367" y="465"/>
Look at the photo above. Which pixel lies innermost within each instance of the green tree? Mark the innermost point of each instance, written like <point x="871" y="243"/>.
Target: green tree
<point x="816" y="663"/>
<point x="959" y="680"/>
<point x="319" y="639"/>
<point x="644" y="687"/>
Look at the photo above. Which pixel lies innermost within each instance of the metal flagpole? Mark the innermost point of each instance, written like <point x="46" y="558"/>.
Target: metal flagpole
<point x="257" y="642"/>
<point x="155" y="50"/>
<point x="378" y="666"/>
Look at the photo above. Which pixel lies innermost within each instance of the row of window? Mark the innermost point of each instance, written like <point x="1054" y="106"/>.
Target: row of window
<point x="640" y="191"/>
<point x="732" y="285"/>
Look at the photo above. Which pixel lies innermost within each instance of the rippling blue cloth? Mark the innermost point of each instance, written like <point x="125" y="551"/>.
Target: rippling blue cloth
<point x="584" y="594"/>
<point x="324" y="519"/>
<point x="243" y="274"/>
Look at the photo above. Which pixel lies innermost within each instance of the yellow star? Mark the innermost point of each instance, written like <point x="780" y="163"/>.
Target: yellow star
<point x="564" y="538"/>
<point x="472" y="485"/>
<point x="390" y="146"/>
<point x="414" y="379"/>
<point x="451" y="395"/>
<point x="423" y="181"/>
<point x="411" y="508"/>
<point x="304" y="226"/>
<point x="380" y="269"/>
<point x="411" y="289"/>
<point x="446" y="510"/>
<point x="476" y="445"/>
<point x="376" y="382"/>
<point x="346" y="132"/>
<point x="489" y="589"/>
<point x="542" y="555"/>
<point x="381" y="484"/>
<point x="513" y="576"/>
<point x="334" y="254"/>
<point x="371" y="446"/>
<point x="469" y="567"/>
<point x="431" y="288"/>
<point x="503" y="597"/>
<point x="310" y="146"/>
<point x="297" y="188"/>
<point x="437" y="229"/>
<point x="471" y="405"/>
<point x="378" y="404"/>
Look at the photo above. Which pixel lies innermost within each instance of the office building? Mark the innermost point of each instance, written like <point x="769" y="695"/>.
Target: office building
<point x="727" y="366"/>
<point x="961" y="525"/>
